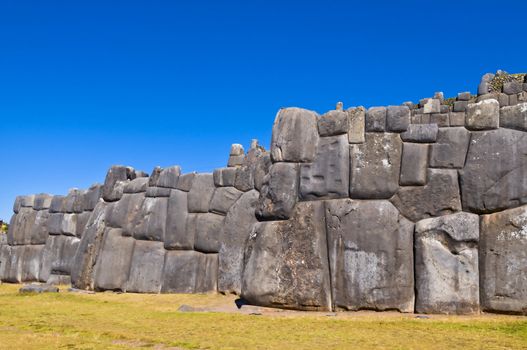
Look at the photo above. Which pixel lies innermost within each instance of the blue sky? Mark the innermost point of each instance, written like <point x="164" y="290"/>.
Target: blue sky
<point x="84" y="85"/>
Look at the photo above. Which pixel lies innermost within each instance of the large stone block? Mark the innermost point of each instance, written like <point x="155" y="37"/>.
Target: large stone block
<point x="42" y="201"/>
<point x="201" y="193"/>
<point x="483" y="115"/>
<point x="440" y="196"/>
<point x="333" y="123"/>
<point x="414" y="164"/>
<point x="150" y="223"/>
<point x="279" y="192"/>
<point x="5" y="261"/>
<point x="13" y="255"/>
<point x="375" y="119"/>
<point x="57" y="204"/>
<point x="495" y="173"/>
<point x="236" y="155"/>
<point x="357" y="124"/>
<point x="82" y="220"/>
<point x="111" y="191"/>
<point x="224" y="177"/>
<point x="328" y="175"/>
<point x="137" y="185"/>
<point x="30" y="264"/>
<point x="146" y="270"/>
<point x="176" y="235"/>
<point x="92" y="196"/>
<point x="114" y="261"/>
<point x="189" y="272"/>
<point x="397" y="118"/>
<point x="73" y="202"/>
<point x="375" y="166"/>
<point x="451" y="148"/>
<point x="157" y="192"/>
<point x="237" y="228"/>
<point x="206" y="230"/>
<point x="126" y="212"/>
<point x="295" y="135"/>
<point x="503" y="261"/>
<point x="39" y="229"/>
<point x="169" y="177"/>
<point x="58" y="256"/>
<point x="261" y="169"/>
<point x="371" y="255"/>
<point x="514" y="117"/>
<point x="420" y="133"/>
<point x="185" y="182"/>
<point x="223" y="199"/>
<point x="21" y="227"/>
<point x="446" y="264"/>
<point x="68" y="225"/>
<point x="54" y="223"/>
<point x="286" y="262"/>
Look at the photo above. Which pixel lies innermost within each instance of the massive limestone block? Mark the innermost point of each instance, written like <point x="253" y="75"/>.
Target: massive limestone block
<point x="39" y="229"/>
<point x="446" y="264"/>
<point x="286" y="262"/>
<point x="514" y="117"/>
<point x="503" y="261"/>
<point x="137" y="185"/>
<point x="245" y="177"/>
<point x="294" y="136"/>
<point x="237" y="228"/>
<point x="201" y="193"/>
<point x="261" y="169"/>
<point x="21" y="263"/>
<point x="357" y="117"/>
<point x="21" y="227"/>
<point x="83" y="266"/>
<point x="147" y="267"/>
<point x="82" y="220"/>
<point x="114" y="261"/>
<point x="58" y="256"/>
<point x="169" y="177"/>
<point x="56" y="205"/>
<point x="495" y="174"/>
<point x="223" y="199"/>
<point x="125" y="212"/>
<point x="420" y="133"/>
<point x="236" y="155"/>
<point x="150" y="223"/>
<point x="328" y="175"/>
<point x="414" y="164"/>
<point x="42" y="201"/>
<point x="440" y="196"/>
<point x="451" y="148"/>
<point x="92" y="196"/>
<point x="73" y="202"/>
<point x="397" y="118"/>
<point x="279" y="192"/>
<point x="111" y="191"/>
<point x="375" y="119"/>
<point x="54" y="223"/>
<point x="157" y="192"/>
<point x="185" y="182"/>
<point x="371" y="255"/>
<point x="176" y="235"/>
<point x="333" y="123"/>
<point x="189" y="272"/>
<point x="375" y="166"/>
<point x="68" y="225"/>
<point x="207" y="230"/>
<point x="224" y="177"/>
<point x="5" y="260"/>
<point x="483" y="115"/>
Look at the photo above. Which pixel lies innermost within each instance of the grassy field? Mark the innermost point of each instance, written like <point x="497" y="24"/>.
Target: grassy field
<point x="118" y="321"/>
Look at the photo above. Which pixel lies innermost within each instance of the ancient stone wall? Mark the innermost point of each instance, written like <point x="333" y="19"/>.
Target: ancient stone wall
<point x="416" y="208"/>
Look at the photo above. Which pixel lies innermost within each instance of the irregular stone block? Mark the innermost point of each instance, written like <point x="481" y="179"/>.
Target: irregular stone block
<point x="431" y="105"/>
<point x="68" y="225"/>
<point x="169" y="177"/>
<point x="464" y="96"/>
<point x="397" y="118"/>
<point x="328" y="175"/>
<point x="446" y="264"/>
<point x="236" y="156"/>
<point x="157" y="192"/>
<point x="185" y="182"/>
<point x="200" y="194"/>
<point x="375" y="166"/>
<point x="512" y="87"/>
<point x="150" y="223"/>
<point x="440" y="196"/>
<point x="375" y="119"/>
<point x="503" y="261"/>
<point x="42" y="201"/>
<point x="441" y="119"/>
<point x="451" y="148"/>
<point x="57" y="204"/>
<point x="82" y="220"/>
<point x="457" y="119"/>
<point x="206" y="230"/>
<point x="13" y="269"/>
<point x="30" y="264"/>
<point x="223" y="199"/>
<point x="514" y="117"/>
<point x="414" y="164"/>
<point x="114" y="261"/>
<point x="295" y="136"/>
<point x="27" y="201"/>
<point x="125" y="212"/>
<point x="279" y="192"/>
<point x="460" y="106"/>
<point x="189" y="272"/>
<point x="484" y="84"/>
<point x="286" y="262"/>
<point x="74" y="201"/>
<point x="136" y="186"/>
<point x="84" y="261"/>
<point x="224" y="177"/>
<point x="54" y="223"/>
<point x="5" y="261"/>
<point x="176" y="235"/>
<point x="261" y="169"/>
<point x="237" y="228"/>
<point x="117" y="173"/>
<point x="92" y="196"/>
<point x="357" y="124"/>
<point x="39" y="229"/>
<point x="371" y="255"/>
<point x="483" y="115"/>
<point x="421" y="133"/>
<point x="494" y="177"/>
<point x="246" y="174"/>
<point x="147" y="268"/>
<point x="21" y="227"/>
<point x="333" y="123"/>
<point x="58" y="256"/>
<point x="17" y="204"/>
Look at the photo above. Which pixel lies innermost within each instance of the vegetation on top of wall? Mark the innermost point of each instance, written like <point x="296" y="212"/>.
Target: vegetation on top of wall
<point x="3" y="227"/>
<point x="501" y="77"/>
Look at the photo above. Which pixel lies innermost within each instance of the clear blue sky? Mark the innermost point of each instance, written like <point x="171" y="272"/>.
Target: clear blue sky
<point x="88" y="84"/>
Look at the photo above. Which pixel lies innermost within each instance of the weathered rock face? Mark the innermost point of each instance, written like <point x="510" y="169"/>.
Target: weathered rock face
<point x="371" y="255"/>
<point x="446" y="264"/>
<point x="323" y="221"/>
<point x="495" y="174"/>
<point x="286" y="262"/>
<point x="503" y="261"/>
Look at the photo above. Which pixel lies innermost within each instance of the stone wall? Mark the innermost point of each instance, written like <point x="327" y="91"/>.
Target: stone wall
<point x="416" y="208"/>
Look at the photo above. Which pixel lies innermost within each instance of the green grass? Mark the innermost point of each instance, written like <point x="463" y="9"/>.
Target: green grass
<point x="118" y="321"/>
